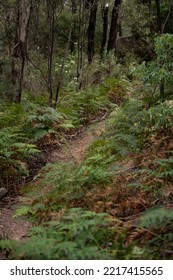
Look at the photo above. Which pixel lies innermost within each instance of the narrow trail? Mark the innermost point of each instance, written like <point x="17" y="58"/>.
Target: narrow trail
<point x="17" y="228"/>
<point x="75" y="149"/>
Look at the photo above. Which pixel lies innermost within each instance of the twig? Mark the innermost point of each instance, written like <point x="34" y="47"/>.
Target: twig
<point x="38" y="68"/>
<point x="168" y="15"/>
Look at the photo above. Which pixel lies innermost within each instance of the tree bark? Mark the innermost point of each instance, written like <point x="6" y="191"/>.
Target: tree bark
<point x="60" y="76"/>
<point x="51" y="13"/>
<point x="105" y="12"/>
<point x="80" y="44"/>
<point x="91" y="29"/>
<point x="21" y="41"/>
<point x="150" y="15"/>
<point x="74" y="10"/>
<point x="167" y="17"/>
<point x="159" y="21"/>
<point x="114" y="28"/>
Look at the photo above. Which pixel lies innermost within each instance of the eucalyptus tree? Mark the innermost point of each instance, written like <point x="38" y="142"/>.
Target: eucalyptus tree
<point x="114" y="27"/>
<point x="20" y="49"/>
<point x="15" y="19"/>
<point x="105" y="15"/>
<point x="91" y="28"/>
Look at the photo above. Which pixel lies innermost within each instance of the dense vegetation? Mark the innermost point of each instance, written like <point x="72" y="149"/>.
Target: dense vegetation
<point x="69" y="64"/>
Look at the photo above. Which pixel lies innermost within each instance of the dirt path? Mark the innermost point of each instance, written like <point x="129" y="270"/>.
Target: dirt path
<point x="75" y="149"/>
<point x="16" y="228"/>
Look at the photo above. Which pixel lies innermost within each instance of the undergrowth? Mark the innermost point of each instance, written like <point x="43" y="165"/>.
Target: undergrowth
<point x="78" y="234"/>
<point x="28" y="128"/>
<point x="125" y="173"/>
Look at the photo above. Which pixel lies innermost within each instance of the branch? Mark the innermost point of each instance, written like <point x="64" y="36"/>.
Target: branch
<point x="168" y="15"/>
<point x="38" y="68"/>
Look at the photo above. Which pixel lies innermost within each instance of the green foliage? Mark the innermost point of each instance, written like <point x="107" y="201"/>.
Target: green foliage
<point x="83" y="106"/>
<point x="131" y="127"/>
<point x="12" y="114"/>
<point x="127" y="126"/>
<point x="159" y="222"/>
<point x="160" y="116"/>
<point x="159" y="71"/>
<point x="79" y="234"/>
<point x="165" y="168"/>
<point x="135" y="22"/>
<point x="72" y="182"/>
<point x="23" y="210"/>
<point x="116" y="89"/>
<point x="7" y="245"/>
<point x="13" y="152"/>
<point x="89" y="103"/>
<point x="41" y="122"/>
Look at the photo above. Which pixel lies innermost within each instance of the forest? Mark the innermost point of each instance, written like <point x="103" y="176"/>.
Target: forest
<point x="86" y="129"/>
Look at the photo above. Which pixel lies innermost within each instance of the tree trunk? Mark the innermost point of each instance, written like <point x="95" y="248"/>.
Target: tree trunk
<point x="114" y="28"/>
<point x="167" y="16"/>
<point x="21" y="41"/>
<point x="150" y="15"/>
<point x="60" y="76"/>
<point x="162" y="89"/>
<point x="80" y="44"/>
<point x="74" y="10"/>
<point x="91" y="29"/>
<point x="51" y="13"/>
<point x="105" y="11"/>
<point x="159" y="21"/>
<point x="159" y="30"/>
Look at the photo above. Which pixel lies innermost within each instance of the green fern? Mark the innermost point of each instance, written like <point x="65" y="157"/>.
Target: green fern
<point x="7" y="245"/>
<point x="159" y="222"/>
<point x="164" y="168"/>
<point x="41" y="122"/>
<point x="22" y="210"/>
<point x="72" y="182"/>
<point x="156" y="218"/>
<point x="13" y="152"/>
<point x="79" y="234"/>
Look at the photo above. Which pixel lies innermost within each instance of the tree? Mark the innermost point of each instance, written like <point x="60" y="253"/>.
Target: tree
<point x="160" y="14"/>
<point x="51" y="15"/>
<point x="158" y="73"/>
<point x="114" y="28"/>
<point x="73" y="10"/>
<point x="91" y="28"/>
<point x="21" y="40"/>
<point x="105" y="13"/>
<point x="159" y="21"/>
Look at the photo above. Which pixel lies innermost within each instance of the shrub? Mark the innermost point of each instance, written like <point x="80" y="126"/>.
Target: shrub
<point x="158" y="222"/>
<point x="14" y="150"/>
<point x="79" y="234"/>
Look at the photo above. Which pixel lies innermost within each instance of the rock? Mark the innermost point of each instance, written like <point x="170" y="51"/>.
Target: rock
<point x="3" y="192"/>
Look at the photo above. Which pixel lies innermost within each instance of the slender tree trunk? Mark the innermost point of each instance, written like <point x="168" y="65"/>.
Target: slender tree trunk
<point x="74" y="10"/>
<point x="120" y="29"/>
<point x="91" y="29"/>
<point x="167" y="16"/>
<point x="21" y="45"/>
<point x="51" y="10"/>
<point x="159" y="30"/>
<point x="21" y="80"/>
<point x="105" y="12"/>
<point x="162" y="89"/>
<point x="80" y="44"/>
<point x="150" y="15"/>
<point x="114" y="28"/>
<point x="60" y="76"/>
<point x="159" y="21"/>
